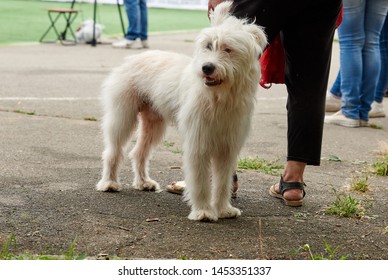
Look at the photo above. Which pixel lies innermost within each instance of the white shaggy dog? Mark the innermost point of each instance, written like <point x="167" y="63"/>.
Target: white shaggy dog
<point x="210" y="97"/>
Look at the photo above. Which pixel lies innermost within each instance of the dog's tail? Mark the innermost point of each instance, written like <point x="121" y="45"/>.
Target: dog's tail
<point x="220" y="13"/>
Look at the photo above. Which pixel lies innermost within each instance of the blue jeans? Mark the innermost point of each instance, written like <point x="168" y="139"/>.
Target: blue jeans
<point x="137" y="17"/>
<point x="382" y="85"/>
<point x="359" y="37"/>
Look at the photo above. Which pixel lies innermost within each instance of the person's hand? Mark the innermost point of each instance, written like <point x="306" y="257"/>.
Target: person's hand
<point x="211" y="5"/>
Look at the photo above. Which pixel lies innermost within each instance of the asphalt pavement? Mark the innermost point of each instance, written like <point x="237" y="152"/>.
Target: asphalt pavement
<point x="50" y="150"/>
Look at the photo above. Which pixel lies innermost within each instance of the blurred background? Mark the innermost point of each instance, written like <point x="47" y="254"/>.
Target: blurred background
<point x="24" y="21"/>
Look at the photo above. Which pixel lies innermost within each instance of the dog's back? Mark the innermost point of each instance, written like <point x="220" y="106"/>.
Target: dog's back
<point x="153" y="73"/>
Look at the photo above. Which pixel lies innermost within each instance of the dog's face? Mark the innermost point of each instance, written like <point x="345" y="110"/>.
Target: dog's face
<point x="228" y="49"/>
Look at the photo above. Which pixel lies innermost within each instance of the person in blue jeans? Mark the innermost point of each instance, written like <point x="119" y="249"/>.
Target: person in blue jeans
<point x="359" y="37"/>
<point x="382" y="85"/>
<point x="333" y="100"/>
<point x="137" y="14"/>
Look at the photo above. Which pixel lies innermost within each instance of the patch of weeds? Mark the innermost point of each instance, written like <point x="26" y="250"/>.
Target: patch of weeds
<point x="24" y="112"/>
<point x="177" y="151"/>
<point x="26" y="216"/>
<point x="300" y="215"/>
<point x="345" y="206"/>
<point x="71" y="254"/>
<point x="168" y="144"/>
<point x="92" y="119"/>
<point x="6" y="254"/>
<point x="360" y="184"/>
<point x="375" y="126"/>
<point x="331" y="158"/>
<point x="330" y="253"/>
<point x="262" y="165"/>
<point x="380" y="167"/>
<point x="359" y="162"/>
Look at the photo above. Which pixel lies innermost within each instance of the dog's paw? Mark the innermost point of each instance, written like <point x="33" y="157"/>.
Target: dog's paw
<point x="149" y="185"/>
<point x="229" y="212"/>
<point x="203" y="215"/>
<point x="108" y="186"/>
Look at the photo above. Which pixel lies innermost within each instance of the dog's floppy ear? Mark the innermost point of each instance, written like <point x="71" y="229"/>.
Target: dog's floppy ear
<point x="258" y="34"/>
<point x="220" y="13"/>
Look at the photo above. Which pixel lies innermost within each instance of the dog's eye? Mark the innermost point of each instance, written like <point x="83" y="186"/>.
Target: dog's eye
<point x="227" y="50"/>
<point x="209" y="46"/>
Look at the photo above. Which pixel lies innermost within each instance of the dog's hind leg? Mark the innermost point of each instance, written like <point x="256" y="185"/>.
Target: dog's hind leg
<point x="223" y="167"/>
<point x="119" y="122"/>
<point x="152" y="128"/>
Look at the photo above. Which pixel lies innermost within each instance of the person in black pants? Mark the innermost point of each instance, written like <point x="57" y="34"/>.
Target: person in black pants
<point x="306" y="29"/>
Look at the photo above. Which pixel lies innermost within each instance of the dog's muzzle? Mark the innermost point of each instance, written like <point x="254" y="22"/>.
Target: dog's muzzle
<point x="208" y="71"/>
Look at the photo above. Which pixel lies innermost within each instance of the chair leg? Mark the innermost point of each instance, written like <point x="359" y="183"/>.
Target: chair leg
<point x="69" y="18"/>
<point x="52" y="26"/>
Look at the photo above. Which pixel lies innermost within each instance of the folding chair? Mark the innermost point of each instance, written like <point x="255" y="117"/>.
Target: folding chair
<point x="68" y="15"/>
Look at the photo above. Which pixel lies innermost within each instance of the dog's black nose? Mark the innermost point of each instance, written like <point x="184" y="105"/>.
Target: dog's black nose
<point x="208" y="68"/>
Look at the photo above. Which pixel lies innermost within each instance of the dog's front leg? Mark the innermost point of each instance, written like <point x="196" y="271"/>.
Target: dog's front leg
<point x="223" y="168"/>
<point x="198" y="192"/>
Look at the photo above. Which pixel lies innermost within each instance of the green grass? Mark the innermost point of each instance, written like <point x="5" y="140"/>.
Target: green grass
<point x="332" y="158"/>
<point x="5" y="253"/>
<point x="345" y="206"/>
<point x="168" y="144"/>
<point x="92" y="119"/>
<point x="24" y="112"/>
<point x="330" y="253"/>
<point x="360" y="184"/>
<point x="262" y="165"/>
<point x="380" y="167"/>
<point x="177" y="151"/>
<point x="27" y="20"/>
<point x="9" y="248"/>
<point x="375" y="126"/>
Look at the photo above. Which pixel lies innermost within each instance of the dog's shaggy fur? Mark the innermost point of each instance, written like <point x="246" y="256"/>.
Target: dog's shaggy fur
<point x="210" y="97"/>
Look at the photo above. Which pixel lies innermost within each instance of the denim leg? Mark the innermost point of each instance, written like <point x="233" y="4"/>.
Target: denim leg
<point x="351" y="37"/>
<point x="382" y="84"/>
<point x="375" y="14"/>
<point x="336" y="87"/>
<point x="133" y="13"/>
<point x="144" y="20"/>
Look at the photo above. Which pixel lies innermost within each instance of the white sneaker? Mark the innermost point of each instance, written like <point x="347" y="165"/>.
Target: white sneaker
<point x="340" y="119"/>
<point x="144" y="44"/>
<point x="364" y="123"/>
<point x="333" y="103"/>
<point x="124" y="44"/>
<point x="377" y="110"/>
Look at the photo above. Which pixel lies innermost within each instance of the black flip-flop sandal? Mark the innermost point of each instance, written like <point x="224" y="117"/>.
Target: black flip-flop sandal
<point x="283" y="186"/>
